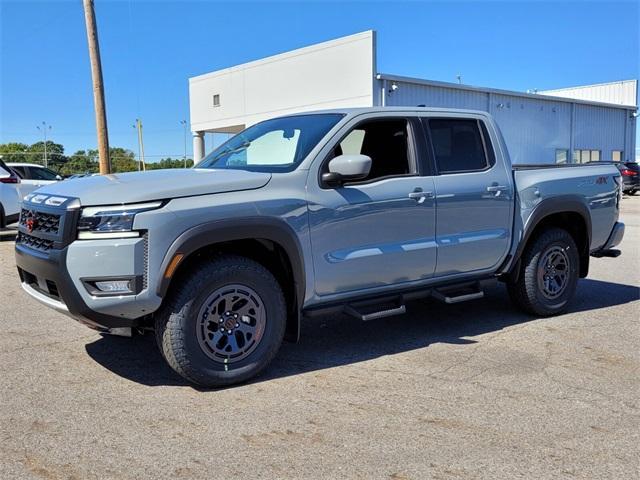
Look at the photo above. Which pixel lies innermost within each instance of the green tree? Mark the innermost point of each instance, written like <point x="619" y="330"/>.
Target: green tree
<point x="55" y="155"/>
<point x="122" y="160"/>
<point x="15" y="152"/>
<point x="169" y="163"/>
<point x="83" y="161"/>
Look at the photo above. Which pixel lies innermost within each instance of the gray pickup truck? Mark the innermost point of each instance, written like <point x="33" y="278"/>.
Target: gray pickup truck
<point x="357" y="211"/>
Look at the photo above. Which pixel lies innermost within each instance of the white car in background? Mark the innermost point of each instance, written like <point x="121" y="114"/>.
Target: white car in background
<point x="32" y="174"/>
<point x="16" y="181"/>
<point x="10" y="195"/>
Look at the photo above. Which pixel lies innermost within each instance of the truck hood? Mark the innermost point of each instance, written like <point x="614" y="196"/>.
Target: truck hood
<point x="156" y="185"/>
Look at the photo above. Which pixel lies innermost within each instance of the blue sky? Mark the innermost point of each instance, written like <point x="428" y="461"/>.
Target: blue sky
<point x="150" y="48"/>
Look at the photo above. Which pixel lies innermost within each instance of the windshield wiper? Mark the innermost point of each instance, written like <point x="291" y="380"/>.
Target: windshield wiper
<point x="239" y="148"/>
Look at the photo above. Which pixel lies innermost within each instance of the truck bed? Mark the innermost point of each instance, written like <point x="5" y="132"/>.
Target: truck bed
<point x="593" y="184"/>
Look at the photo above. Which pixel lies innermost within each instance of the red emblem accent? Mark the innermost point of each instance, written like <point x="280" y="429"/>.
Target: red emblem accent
<point x="30" y="222"/>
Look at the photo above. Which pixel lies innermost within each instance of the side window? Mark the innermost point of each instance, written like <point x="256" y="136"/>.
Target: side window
<point x="385" y="141"/>
<point x="42" y="174"/>
<point x="457" y="145"/>
<point x="21" y="171"/>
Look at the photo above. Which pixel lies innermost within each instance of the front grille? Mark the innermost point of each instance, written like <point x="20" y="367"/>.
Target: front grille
<point x="40" y="221"/>
<point x="34" y="242"/>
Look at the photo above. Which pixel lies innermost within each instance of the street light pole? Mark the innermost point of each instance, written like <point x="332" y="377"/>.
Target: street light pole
<point x="184" y="124"/>
<point x="44" y="129"/>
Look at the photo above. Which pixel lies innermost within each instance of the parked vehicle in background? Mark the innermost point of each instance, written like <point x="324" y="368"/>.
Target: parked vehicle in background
<point x="34" y="175"/>
<point x="630" y="172"/>
<point x="351" y="210"/>
<point x="10" y="195"/>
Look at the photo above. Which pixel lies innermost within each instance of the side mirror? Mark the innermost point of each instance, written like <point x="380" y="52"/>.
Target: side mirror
<point x="345" y="168"/>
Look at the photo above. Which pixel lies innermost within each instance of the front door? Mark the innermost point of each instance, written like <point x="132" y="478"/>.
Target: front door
<point x="380" y="231"/>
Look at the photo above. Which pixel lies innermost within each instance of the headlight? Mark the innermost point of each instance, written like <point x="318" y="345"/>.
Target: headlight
<point x="111" y="221"/>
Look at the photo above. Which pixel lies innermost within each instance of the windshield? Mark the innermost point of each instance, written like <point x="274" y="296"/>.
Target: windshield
<point x="277" y="145"/>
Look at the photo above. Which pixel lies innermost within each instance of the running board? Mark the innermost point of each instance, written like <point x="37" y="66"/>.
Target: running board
<point x="376" y="314"/>
<point x="458" y="294"/>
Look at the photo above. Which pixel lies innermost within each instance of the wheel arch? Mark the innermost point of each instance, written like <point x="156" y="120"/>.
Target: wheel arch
<point x="568" y="212"/>
<point x="270" y="242"/>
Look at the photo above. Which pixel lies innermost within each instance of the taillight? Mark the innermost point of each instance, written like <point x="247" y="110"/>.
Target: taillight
<point x="10" y="179"/>
<point x="628" y="173"/>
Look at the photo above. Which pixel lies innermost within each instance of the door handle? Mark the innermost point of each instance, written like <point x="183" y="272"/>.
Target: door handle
<point x="420" y="196"/>
<point x="496" y="188"/>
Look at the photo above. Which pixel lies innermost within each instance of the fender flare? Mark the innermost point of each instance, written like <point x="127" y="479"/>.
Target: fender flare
<point x="546" y="208"/>
<point x="246" y="228"/>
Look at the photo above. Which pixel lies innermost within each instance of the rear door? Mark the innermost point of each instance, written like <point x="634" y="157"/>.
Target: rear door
<point x="27" y="183"/>
<point x="9" y="191"/>
<point x="474" y="196"/>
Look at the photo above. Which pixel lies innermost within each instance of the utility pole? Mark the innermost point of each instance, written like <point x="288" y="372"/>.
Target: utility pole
<point x="44" y="129"/>
<point x="98" y="88"/>
<point x="140" y="144"/>
<point x="184" y="124"/>
<point x="135" y="125"/>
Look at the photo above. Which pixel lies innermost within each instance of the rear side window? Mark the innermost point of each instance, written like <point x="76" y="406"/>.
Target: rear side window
<point x="21" y="171"/>
<point x="37" y="173"/>
<point x="458" y="145"/>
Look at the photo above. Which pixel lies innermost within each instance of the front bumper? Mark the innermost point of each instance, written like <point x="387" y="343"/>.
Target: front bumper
<point x="45" y="278"/>
<point x="57" y="270"/>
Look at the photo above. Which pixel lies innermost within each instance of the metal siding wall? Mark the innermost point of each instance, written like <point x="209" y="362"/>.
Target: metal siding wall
<point x="600" y="128"/>
<point x="409" y="94"/>
<point x="622" y="93"/>
<point x="630" y="152"/>
<point x="533" y="129"/>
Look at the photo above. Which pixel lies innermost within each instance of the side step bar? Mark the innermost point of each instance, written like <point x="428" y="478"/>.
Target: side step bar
<point x="458" y="294"/>
<point x="375" y="308"/>
<point x="375" y="314"/>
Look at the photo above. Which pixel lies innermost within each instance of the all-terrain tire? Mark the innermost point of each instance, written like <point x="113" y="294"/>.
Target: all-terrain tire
<point x="531" y="292"/>
<point x="181" y="320"/>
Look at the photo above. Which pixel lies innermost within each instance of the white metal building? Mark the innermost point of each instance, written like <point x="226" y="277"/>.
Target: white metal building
<point x="570" y="125"/>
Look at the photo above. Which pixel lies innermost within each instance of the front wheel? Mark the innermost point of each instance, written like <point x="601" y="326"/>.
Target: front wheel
<point x="223" y="323"/>
<point x="548" y="275"/>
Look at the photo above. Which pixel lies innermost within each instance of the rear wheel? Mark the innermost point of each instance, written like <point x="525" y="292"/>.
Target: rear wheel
<point x="548" y="275"/>
<point x="224" y="323"/>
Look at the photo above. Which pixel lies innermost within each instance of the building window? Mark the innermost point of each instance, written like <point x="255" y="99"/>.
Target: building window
<point x="562" y="155"/>
<point x="617" y="155"/>
<point x="586" y="156"/>
<point x="216" y="100"/>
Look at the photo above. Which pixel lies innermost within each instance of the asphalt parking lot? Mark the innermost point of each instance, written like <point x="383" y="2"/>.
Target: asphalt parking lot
<point x="476" y="390"/>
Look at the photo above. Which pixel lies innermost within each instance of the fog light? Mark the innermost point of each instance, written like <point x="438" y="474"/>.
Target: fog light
<point x="114" y="286"/>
